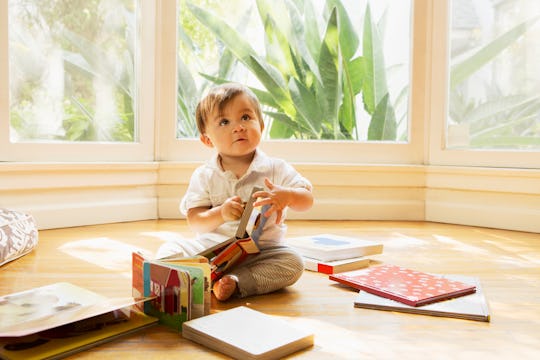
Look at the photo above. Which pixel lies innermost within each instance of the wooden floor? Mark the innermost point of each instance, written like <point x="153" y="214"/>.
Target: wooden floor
<point x="507" y="263"/>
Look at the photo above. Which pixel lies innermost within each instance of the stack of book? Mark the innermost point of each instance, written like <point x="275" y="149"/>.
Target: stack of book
<point x="331" y="254"/>
<point x="395" y="288"/>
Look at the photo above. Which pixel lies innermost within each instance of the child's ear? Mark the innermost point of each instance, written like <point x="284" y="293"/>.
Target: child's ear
<point x="206" y="140"/>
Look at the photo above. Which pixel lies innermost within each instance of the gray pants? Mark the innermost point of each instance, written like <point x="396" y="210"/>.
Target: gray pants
<point x="272" y="269"/>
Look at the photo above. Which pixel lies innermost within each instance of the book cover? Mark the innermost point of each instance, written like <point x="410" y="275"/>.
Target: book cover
<point x="244" y="333"/>
<point x="180" y="289"/>
<point x="411" y="287"/>
<point x="331" y="247"/>
<point x="337" y="266"/>
<point x="38" y="309"/>
<point x="469" y="307"/>
<point x="71" y="338"/>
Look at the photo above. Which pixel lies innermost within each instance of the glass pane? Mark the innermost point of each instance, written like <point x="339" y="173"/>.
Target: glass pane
<point x="494" y="100"/>
<point x="323" y="70"/>
<point x="71" y="68"/>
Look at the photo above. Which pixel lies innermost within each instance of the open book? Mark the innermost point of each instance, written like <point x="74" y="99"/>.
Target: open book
<point x="180" y="288"/>
<point x="60" y="319"/>
<point x="234" y="250"/>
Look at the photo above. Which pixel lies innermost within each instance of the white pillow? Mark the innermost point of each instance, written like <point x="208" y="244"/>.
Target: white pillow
<point x="18" y="235"/>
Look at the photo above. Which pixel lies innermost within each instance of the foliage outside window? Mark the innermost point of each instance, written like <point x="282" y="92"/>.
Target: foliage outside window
<point x="323" y="70"/>
<point x="494" y="100"/>
<point x="72" y="70"/>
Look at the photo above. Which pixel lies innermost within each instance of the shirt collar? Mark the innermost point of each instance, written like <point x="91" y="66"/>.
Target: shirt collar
<point x="260" y="163"/>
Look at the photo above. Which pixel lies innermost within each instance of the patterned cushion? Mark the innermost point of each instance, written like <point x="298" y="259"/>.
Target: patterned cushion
<point x="18" y="235"/>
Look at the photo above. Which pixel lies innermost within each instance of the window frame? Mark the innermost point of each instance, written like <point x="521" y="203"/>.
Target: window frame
<point x="141" y="149"/>
<point x="439" y="154"/>
<point x="412" y="152"/>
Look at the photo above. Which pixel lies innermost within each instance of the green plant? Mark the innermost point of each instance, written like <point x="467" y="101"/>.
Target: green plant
<point x="311" y="79"/>
<point x="86" y="52"/>
<point x="499" y="121"/>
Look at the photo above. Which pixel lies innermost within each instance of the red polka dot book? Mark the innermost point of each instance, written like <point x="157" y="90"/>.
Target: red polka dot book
<point x="410" y="287"/>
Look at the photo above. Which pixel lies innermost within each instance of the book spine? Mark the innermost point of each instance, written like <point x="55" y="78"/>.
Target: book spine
<point x="325" y="269"/>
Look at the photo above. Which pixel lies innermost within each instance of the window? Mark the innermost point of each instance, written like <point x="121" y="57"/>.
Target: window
<point x="492" y="117"/>
<point x="333" y="75"/>
<point x="427" y="45"/>
<point x="74" y="78"/>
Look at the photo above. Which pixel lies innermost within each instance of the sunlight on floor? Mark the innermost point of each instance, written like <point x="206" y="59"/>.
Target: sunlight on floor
<point x="104" y="252"/>
<point x="165" y="236"/>
<point x="460" y="246"/>
<point x="400" y="240"/>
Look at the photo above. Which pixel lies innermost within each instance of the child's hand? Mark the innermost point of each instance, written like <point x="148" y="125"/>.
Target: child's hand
<point x="278" y="197"/>
<point x="232" y="209"/>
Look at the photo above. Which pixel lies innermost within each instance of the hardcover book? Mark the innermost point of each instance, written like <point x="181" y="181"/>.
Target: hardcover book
<point x="57" y="320"/>
<point x="469" y="307"/>
<point x="331" y="247"/>
<point x="180" y="289"/>
<point x="337" y="266"/>
<point x="411" y="287"/>
<point x="244" y="333"/>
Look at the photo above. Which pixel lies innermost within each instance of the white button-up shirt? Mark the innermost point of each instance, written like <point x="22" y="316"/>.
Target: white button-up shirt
<point x="210" y="186"/>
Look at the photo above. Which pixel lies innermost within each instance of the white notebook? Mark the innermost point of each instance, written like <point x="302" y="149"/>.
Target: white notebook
<point x="244" y="333"/>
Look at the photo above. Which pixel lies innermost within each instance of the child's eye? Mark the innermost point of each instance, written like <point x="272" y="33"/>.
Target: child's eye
<point x="246" y="117"/>
<point x="223" y="122"/>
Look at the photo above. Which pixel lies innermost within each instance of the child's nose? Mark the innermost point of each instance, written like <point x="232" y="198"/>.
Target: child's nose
<point x="238" y="126"/>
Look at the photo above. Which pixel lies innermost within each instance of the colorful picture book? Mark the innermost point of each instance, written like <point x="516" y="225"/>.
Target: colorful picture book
<point x="60" y="319"/>
<point x="244" y="333"/>
<point x="180" y="289"/>
<point x="331" y="247"/>
<point x="470" y="307"/>
<point x="236" y="249"/>
<point x="411" y="287"/>
<point x="337" y="266"/>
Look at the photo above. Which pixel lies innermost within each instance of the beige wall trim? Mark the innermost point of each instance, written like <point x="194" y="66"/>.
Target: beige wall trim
<point x="63" y="195"/>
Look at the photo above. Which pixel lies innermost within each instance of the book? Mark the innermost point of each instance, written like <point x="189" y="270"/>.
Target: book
<point x="231" y="252"/>
<point x="179" y="288"/>
<point x="469" y="307"/>
<point x="331" y="247"/>
<point x="337" y="266"/>
<point x="244" y="333"/>
<point x="59" y="319"/>
<point x="411" y="287"/>
<point x="71" y="338"/>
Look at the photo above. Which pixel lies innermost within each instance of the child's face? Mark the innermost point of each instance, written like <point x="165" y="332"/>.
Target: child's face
<point x="236" y="131"/>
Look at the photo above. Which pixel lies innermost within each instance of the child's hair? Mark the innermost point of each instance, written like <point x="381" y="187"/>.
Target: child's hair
<point x="219" y="97"/>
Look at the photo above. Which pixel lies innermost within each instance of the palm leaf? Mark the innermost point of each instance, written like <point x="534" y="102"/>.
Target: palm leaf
<point x="383" y="123"/>
<point x="375" y="87"/>
<point x="463" y="70"/>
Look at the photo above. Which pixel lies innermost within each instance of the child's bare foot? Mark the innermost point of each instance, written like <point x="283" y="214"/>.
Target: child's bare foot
<point x="224" y="288"/>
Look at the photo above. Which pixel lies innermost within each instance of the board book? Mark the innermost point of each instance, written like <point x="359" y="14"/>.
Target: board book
<point x="61" y="319"/>
<point x="337" y="266"/>
<point x="331" y="247"/>
<point x="231" y="252"/>
<point x="244" y="333"/>
<point x="411" y="287"/>
<point x="180" y="288"/>
<point x="469" y="307"/>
